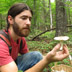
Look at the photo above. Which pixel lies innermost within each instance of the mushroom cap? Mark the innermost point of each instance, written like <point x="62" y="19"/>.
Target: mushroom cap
<point x="61" y="38"/>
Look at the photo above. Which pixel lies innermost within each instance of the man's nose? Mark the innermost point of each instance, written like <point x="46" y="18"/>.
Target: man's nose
<point x="28" y="22"/>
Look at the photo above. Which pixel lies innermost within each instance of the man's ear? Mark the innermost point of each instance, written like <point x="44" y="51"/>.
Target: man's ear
<point x="10" y="19"/>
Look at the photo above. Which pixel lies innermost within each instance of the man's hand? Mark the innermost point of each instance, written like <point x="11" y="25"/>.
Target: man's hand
<point x="56" y="54"/>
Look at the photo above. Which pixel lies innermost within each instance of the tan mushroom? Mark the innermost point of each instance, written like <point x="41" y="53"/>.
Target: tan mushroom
<point x="61" y="39"/>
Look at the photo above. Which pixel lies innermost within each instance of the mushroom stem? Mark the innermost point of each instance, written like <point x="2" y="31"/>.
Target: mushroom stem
<point x="70" y="57"/>
<point x="61" y="42"/>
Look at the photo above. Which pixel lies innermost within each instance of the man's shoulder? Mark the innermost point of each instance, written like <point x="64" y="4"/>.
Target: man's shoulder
<point x="2" y="42"/>
<point x="4" y="36"/>
<point x="3" y="45"/>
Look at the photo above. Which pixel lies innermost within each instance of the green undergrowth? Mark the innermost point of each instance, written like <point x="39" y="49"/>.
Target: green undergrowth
<point x="20" y="71"/>
<point x="46" y="42"/>
<point x="40" y="45"/>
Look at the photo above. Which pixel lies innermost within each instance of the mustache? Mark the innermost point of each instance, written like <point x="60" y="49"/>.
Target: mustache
<point x="27" y="27"/>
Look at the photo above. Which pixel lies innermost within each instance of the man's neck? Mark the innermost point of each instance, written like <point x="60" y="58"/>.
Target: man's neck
<point x="13" y="35"/>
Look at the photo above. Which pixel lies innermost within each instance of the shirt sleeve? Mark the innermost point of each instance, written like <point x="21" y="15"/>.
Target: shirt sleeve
<point x="24" y="48"/>
<point x="5" y="57"/>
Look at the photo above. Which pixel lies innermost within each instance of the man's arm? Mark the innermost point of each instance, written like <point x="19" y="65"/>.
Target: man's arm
<point x="52" y="56"/>
<point x="11" y="67"/>
<point x="39" y="66"/>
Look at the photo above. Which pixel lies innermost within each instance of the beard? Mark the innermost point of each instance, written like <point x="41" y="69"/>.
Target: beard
<point x="22" y="32"/>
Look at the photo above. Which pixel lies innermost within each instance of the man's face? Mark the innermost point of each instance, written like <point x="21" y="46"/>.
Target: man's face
<point x="22" y="23"/>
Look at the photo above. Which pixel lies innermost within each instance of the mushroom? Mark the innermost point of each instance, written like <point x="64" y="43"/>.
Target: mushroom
<point x="61" y="39"/>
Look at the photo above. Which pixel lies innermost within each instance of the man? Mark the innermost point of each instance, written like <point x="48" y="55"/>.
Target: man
<point x="18" y="26"/>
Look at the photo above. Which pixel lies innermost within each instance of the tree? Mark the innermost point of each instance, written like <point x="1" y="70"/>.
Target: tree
<point x="68" y="7"/>
<point x="34" y="12"/>
<point x="51" y="23"/>
<point x="61" y="18"/>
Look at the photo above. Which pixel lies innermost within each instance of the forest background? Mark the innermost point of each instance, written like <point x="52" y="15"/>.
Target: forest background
<point x="50" y="18"/>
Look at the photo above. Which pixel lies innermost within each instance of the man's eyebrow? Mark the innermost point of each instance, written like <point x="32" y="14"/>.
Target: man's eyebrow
<point x="26" y="16"/>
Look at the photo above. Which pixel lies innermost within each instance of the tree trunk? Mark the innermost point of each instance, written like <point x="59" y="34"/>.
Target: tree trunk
<point x="45" y="15"/>
<point x="44" y="11"/>
<point x="61" y="18"/>
<point x="69" y="13"/>
<point x="51" y="23"/>
<point x="34" y="13"/>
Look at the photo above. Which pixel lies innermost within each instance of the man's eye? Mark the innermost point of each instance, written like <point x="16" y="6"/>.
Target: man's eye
<point x="24" y="18"/>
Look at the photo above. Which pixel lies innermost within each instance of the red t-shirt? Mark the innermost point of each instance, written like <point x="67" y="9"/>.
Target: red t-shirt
<point x="5" y="56"/>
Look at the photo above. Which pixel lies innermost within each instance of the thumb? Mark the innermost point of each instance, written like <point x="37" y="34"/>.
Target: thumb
<point x="56" y="48"/>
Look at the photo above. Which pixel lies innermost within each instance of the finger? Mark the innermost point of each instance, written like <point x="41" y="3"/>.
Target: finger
<point x="66" y="49"/>
<point x="56" y="48"/>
